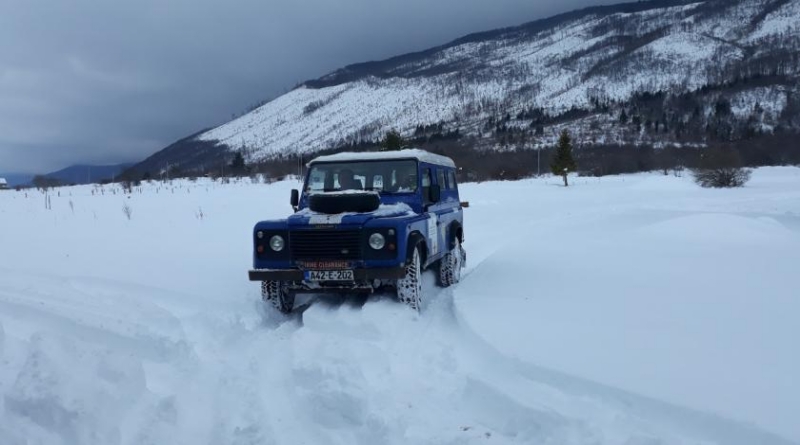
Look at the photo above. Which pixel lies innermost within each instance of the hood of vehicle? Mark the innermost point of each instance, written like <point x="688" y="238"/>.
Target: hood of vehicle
<point x="306" y="217"/>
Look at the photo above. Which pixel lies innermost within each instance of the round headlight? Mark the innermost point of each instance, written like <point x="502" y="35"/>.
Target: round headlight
<point x="260" y="234"/>
<point x="276" y="243"/>
<point x="377" y="241"/>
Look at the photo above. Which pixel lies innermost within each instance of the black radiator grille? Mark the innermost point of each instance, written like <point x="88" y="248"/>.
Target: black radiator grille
<point x="311" y="245"/>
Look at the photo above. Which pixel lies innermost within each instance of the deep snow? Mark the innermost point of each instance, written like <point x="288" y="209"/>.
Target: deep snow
<point x="636" y="309"/>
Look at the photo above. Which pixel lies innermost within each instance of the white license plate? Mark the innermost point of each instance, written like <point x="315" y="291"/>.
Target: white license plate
<point x="329" y="275"/>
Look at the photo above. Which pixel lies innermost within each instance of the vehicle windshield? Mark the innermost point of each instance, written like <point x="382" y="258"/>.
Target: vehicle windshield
<point x="383" y="176"/>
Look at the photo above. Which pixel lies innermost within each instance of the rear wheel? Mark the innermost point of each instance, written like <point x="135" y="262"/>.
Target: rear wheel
<point x="409" y="288"/>
<point x="276" y="294"/>
<point x="450" y="265"/>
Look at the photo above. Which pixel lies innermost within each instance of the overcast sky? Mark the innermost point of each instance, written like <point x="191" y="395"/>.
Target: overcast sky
<point x="101" y="81"/>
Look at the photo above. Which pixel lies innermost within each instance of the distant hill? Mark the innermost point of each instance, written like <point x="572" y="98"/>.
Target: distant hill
<point x="87" y="174"/>
<point x="76" y="174"/>
<point x="15" y="179"/>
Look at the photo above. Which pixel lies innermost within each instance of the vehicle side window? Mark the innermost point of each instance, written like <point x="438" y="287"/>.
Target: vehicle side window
<point x="442" y="180"/>
<point x="451" y="176"/>
<point x="426" y="184"/>
<point x="405" y="179"/>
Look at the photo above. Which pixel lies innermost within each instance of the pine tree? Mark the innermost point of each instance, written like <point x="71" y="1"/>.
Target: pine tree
<point x="237" y="166"/>
<point x="562" y="162"/>
<point x="392" y="141"/>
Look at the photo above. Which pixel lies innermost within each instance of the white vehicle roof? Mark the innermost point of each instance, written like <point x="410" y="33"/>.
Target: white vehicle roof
<point x="411" y="153"/>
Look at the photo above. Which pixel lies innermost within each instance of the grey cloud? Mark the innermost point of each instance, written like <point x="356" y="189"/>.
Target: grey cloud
<point x="105" y="81"/>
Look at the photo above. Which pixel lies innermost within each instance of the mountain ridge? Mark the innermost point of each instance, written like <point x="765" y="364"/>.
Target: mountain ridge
<point x="656" y="74"/>
<point x="332" y="79"/>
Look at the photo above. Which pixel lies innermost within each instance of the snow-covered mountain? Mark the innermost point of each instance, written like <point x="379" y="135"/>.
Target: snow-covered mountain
<point x="654" y="73"/>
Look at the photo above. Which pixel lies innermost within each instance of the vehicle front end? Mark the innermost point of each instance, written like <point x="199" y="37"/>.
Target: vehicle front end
<point x="317" y="253"/>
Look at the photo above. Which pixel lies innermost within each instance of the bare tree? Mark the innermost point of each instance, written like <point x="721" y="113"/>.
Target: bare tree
<point x="43" y="182"/>
<point x="127" y="210"/>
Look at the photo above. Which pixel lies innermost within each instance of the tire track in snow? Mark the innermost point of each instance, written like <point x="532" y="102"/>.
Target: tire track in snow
<point x="420" y="378"/>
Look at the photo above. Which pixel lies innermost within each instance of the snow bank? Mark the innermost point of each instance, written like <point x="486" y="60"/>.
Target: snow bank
<point x="677" y="293"/>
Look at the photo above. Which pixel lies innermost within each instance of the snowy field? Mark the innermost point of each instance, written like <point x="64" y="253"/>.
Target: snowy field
<point x="633" y="310"/>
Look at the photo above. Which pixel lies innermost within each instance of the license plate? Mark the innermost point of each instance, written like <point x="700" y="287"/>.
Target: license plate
<point x="329" y="275"/>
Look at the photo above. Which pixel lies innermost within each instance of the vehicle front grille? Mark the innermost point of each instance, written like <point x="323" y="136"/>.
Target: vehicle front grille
<point x="310" y="245"/>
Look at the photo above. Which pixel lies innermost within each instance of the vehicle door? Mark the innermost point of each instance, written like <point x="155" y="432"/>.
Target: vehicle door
<point x="440" y="214"/>
<point x="448" y="207"/>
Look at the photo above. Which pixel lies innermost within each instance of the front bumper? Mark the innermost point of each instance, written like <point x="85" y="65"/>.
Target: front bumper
<point x="296" y="275"/>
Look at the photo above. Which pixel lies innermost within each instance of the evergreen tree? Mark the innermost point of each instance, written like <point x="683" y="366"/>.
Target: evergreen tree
<point x="562" y="162"/>
<point x="392" y="141"/>
<point x="237" y="166"/>
<point x="623" y="117"/>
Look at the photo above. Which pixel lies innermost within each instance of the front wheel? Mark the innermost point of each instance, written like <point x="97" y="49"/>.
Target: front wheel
<point x="276" y="294"/>
<point x="409" y="288"/>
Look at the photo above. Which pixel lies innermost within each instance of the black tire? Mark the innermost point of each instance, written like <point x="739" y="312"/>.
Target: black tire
<point x="333" y="204"/>
<point x="276" y="294"/>
<point x="450" y="265"/>
<point x="409" y="288"/>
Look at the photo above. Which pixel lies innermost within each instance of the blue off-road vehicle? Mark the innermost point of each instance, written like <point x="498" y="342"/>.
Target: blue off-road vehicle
<point x="364" y="221"/>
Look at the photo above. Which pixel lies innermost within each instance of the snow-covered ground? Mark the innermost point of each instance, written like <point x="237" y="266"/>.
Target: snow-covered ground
<point x="624" y="310"/>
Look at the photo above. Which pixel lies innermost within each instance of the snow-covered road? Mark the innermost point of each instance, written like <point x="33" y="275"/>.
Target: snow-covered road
<point x="627" y="310"/>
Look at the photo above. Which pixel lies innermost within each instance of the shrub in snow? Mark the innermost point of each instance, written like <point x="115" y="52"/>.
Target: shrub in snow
<point x="721" y="168"/>
<point x="722" y="177"/>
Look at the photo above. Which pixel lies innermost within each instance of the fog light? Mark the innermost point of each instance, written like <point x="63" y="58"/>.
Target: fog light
<point x="377" y="241"/>
<point x="276" y="243"/>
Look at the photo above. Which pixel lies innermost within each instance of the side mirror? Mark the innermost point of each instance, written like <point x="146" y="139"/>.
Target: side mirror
<point x="435" y="193"/>
<point x="295" y="198"/>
